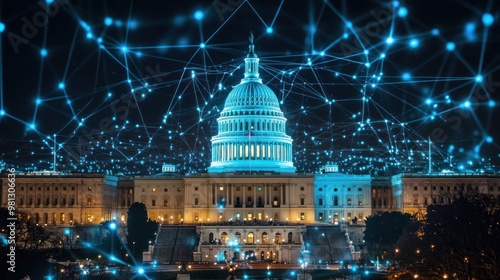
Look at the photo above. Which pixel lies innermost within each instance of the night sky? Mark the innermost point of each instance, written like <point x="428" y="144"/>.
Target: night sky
<point x="128" y="85"/>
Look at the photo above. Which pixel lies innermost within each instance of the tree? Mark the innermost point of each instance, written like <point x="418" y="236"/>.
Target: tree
<point x="458" y="241"/>
<point x="383" y="231"/>
<point x="140" y="229"/>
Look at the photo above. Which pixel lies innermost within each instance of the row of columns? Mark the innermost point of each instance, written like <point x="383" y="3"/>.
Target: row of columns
<point x="257" y="151"/>
<point x="229" y="195"/>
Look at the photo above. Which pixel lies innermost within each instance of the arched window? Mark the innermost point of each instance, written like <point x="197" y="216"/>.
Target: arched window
<point x="265" y="238"/>
<point x="211" y="237"/>
<point x="276" y="201"/>
<point x="278" y="239"/>
<point x="290" y="237"/>
<point x="224" y="238"/>
<point x="250" y="238"/>
<point x="335" y="201"/>
<point x="238" y="237"/>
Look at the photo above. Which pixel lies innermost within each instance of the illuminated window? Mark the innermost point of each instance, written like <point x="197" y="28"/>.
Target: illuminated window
<point x="302" y="216"/>
<point x="153" y="189"/>
<point x="349" y="201"/>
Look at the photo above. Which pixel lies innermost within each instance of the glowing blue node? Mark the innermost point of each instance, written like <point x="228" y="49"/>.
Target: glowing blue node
<point x="99" y="40"/>
<point x="202" y="45"/>
<point x="61" y="85"/>
<point x="367" y="64"/>
<point x="389" y="40"/>
<point x="488" y="19"/>
<point x="198" y="15"/>
<point x="467" y="104"/>
<point x="489" y="139"/>
<point x="367" y="272"/>
<point x="395" y="4"/>
<point x="49" y="1"/>
<point x="479" y="78"/>
<point x="428" y="101"/>
<point x="112" y="226"/>
<point x="450" y="46"/>
<point x="66" y="231"/>
<point x="402" y="12"/>
<point x="89" y="35"/>
<point x="32" y="126"/>
<point x="406" y="76"/>
<point x="118" y="23"/>
<point x="349" y="24"/>
<point x="38" y="101"/>
<point x="345" y="36"/>
<point x="43" y="52"/>
<point x="414" y="43"/>
<point x="2" y="27"/>
<point x="2" y="112"/>
<point x="435" y="32"/>
<point x="108" y="21"/>
<point x="491" y="103"/>
<point x="382" y="55"/>
<point x="124" y="49"/>
<point x="269" y="30"/>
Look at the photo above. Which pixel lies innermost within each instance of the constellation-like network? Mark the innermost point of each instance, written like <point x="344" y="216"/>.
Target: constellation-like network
<point x="124" y="86"/>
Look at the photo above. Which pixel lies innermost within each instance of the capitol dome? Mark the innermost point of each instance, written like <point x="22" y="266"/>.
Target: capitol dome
<point x="251" y="128"/>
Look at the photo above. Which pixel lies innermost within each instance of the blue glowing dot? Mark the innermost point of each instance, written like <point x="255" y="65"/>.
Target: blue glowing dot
<point x="322" y="53"/>
<point x="2" y="27"/>
<point x="382" y="55"/>
<point x="389" y="40"/>
<point x="89" y="35"/>
<point x="345" y="36"/>
<point x="406" y="76"/>
<point x="198" y="15"/>
<point x="124" y="49"/>
<point x="68" y="101"/>
<point x="49" y="1"/>
<point x="402" y="12"/>
<point x="43" y="52"/>
<point x="479" y="78"/>
<point x="112" y="226"/>
<point x="435" y="32"/>
<point x="61" y="85"/>
<point x="32" y="126"/>
<point x="488" y="19"/>
<point x="491" y="103"/>
<point x="132" y="24"/>
<point x="269" y="30"/>
<point x="139" y="54"/>
<point x="395" y="4"/>
<point x="66" y="231"/>
<point x="99" y="40"/>
<point x="428" y="101"/>
<point x="367" y="64"/>
<point x="414" y="43"/>
<point x="38" y="101"/>
<point x="467" y="104"/>
<point x="118" y="23"/>
<point x="450" y="46"/>
<point x="202" y="45"/>
<point x="489" y="139"/>
<point x="469" y="31"/>
<point x="108" y="21"/>
<point x="2" y="112"/>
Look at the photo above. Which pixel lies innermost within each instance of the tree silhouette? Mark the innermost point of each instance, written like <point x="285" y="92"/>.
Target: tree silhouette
<point x="458" y="241"/>
<point x="140" y="229"/>
<point x="383" y="231"/>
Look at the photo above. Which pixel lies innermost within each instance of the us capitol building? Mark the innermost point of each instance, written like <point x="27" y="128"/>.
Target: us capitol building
<point x="251" y="204"/>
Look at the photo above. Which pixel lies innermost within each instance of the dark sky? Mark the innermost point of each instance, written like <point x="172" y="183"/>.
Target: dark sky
<point x="128" y="85"/>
